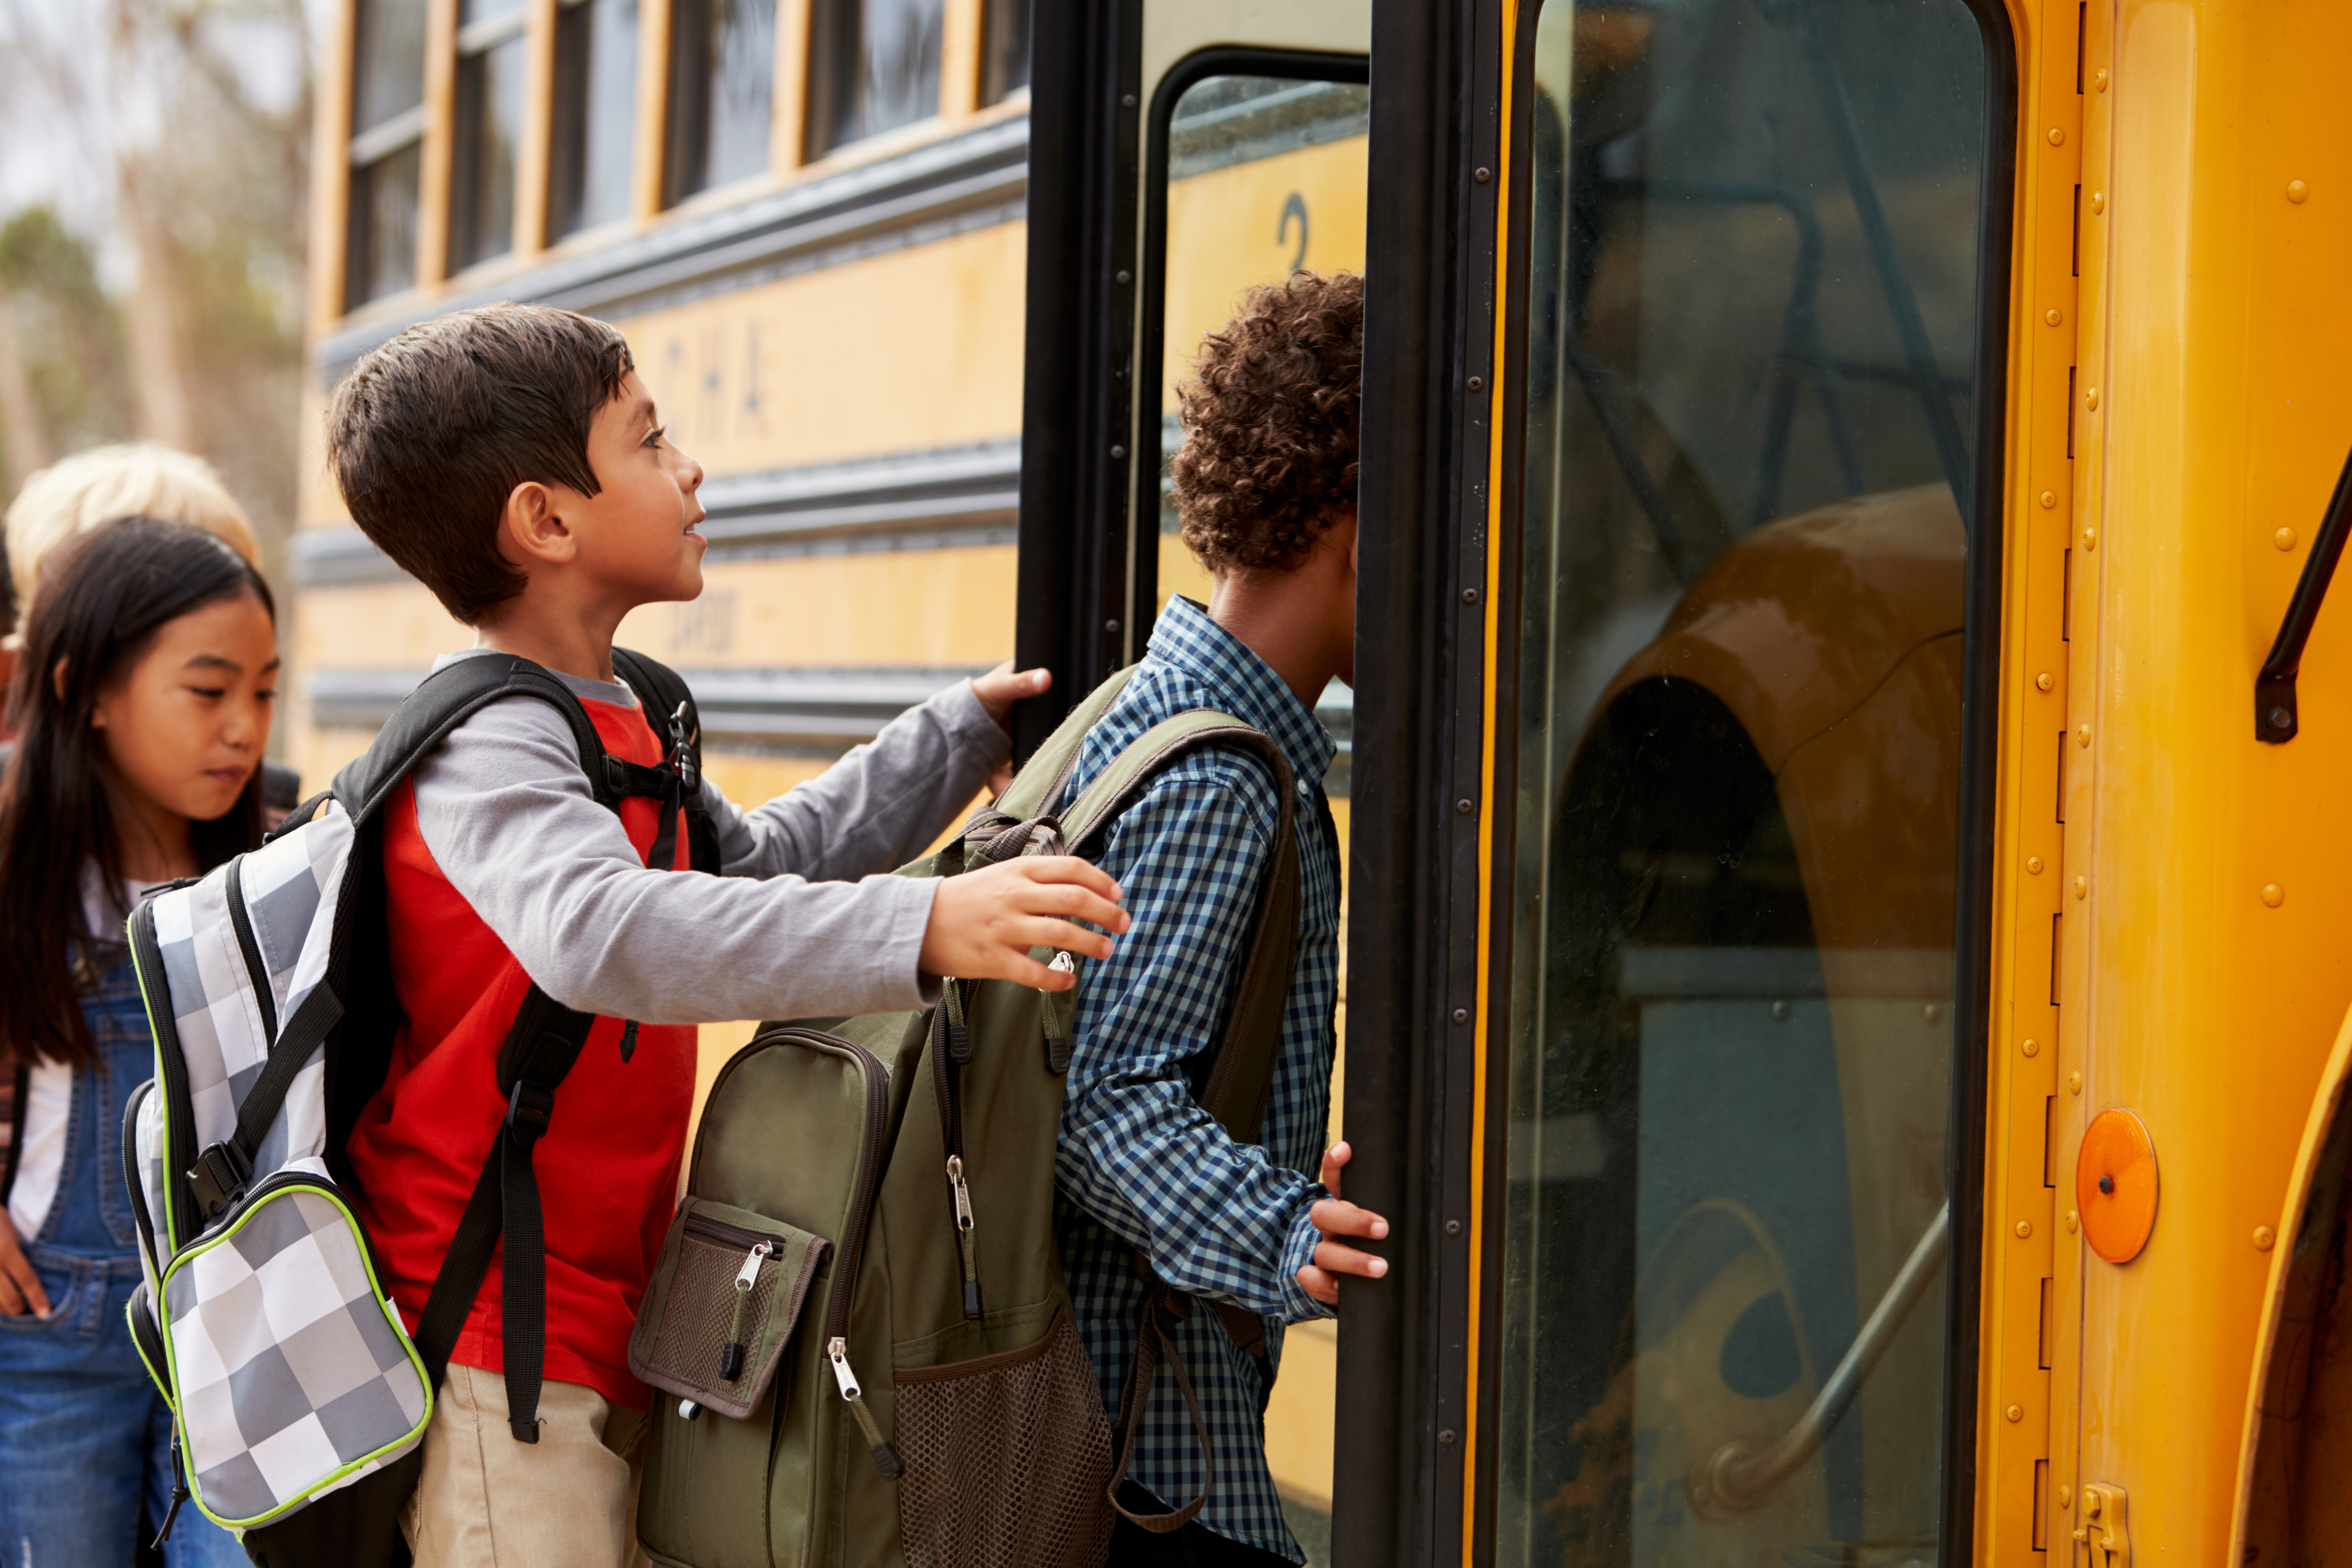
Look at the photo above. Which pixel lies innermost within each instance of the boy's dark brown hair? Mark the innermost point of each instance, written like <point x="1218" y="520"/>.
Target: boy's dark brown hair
<point x="431" y="432"/>
<point x="1269" y="461"/>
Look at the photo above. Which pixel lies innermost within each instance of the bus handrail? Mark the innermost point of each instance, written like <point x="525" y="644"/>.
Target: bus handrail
<point x="1742" y="1473"/>
<point x="2276" y="719"/>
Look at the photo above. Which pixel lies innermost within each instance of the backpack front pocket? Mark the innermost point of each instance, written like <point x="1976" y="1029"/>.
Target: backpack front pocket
<point x="291" y="1374"/>
<point x="723" y="1306"/>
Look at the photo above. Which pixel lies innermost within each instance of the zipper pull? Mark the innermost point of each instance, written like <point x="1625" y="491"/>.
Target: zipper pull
<point x="179" y="1491"/>
<point x="1056" y="1010"/>
<point x="628" y="1041"/>
<point x="964" y="1244"/>
<point x="688" y="1410"/>
<point x="886" y="1457"/>
<point x="730" y="1358"/>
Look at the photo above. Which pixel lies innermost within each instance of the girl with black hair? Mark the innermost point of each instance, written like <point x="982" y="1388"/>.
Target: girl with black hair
<point x="142" y="704"/>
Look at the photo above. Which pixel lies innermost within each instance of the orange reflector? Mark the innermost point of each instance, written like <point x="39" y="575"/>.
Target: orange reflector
<point x="2114" y="1185"/>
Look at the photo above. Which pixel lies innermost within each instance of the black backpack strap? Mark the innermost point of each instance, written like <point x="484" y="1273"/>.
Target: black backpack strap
<point x="670" y="708"/>
<point x="546" y="1037"/>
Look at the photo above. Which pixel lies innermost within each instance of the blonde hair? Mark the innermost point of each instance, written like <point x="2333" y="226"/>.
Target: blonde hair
<point x="141" y="479"/>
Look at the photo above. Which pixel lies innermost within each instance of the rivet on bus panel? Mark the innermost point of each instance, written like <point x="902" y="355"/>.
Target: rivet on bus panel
<point x="2091" y="535"/>
<point x="2081" y="887"/>
<point x="2057" y="137"/>
<point x="2083" y="735"/>
<point x="2099" y="81"/>
<point x="2054" y="315"/>
<point x="2074" y="1219"/>
<point x="2098" y="202"/>
<point x="2066" y="1495"/>
<point x="2091" y="398"/>
<point x="2284" y="539"/>
<point x="2044" y="680"/>
<point x="2015" y="1413"/>
<point x="2297" y="192"/>
<point x="2031" y="1047"/>
<point x="2024" y="1229"/>
<point x="2274" y="895"/>
<point x="2033" y="864"/>
<point x="2073" y="1085"/>
<point x="2049" y="500"/>
<point x="2264" y="1238"/>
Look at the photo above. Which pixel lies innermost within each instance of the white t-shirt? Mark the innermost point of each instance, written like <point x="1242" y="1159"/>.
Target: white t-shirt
<point x="48" y="1100"/>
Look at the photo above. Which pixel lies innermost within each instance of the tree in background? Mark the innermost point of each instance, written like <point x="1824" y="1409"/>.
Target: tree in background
<point x="152" y="270"/>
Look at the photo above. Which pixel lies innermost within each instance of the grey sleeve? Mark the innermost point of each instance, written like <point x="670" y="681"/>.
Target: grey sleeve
<point x="505" y="811"/>
<point x="875" y="809"/>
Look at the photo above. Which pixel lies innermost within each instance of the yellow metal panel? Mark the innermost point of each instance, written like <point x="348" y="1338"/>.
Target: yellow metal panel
<point x="433" y="185"/>
<point x="1171" y="32"/>
<point x="1226" y="234"/>
<point x="932" y="608"/>
<point x="536" y="153"/>
<point x="915" y="348"/>
<point x="2222" y="416"/>
<point x="385" y="625"/>
<point x="653" y="101"/>
<point x="330" y="168"/>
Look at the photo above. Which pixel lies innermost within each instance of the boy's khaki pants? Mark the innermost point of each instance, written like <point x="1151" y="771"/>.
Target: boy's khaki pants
<point x="569" y="1500"/>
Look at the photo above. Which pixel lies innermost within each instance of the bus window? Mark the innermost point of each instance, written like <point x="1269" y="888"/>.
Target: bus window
<point x="1264" y="176"/>
<point x="722" y="80"/>
<point x="1750" y="332"/>
<point x="487" y="131"/>
<point x="874" y="66"/>
<point x="595" y="115"/>
<point x="387" y="132"/>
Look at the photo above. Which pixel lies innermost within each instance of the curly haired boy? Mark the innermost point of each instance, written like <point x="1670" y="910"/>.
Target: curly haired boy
<point x="1265" y="485"/>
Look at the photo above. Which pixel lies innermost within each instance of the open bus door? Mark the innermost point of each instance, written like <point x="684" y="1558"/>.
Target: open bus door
<point x="1670" y="789"/>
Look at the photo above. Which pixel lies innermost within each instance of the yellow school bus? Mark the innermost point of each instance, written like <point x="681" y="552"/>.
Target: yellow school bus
<point x="810" y="218"/>
<point x="1845" y="1009"/>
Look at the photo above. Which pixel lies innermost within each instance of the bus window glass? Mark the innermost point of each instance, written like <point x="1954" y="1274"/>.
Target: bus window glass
<point x="488" y="125"/>
<point x="1004" y="62"/>
<point x="722" y="78"/>
<point x="874" y="66"/>
<point x="1265" y="175"/>
<point x="387" y="131"/>
<point x="595" y="115"/>
<point x="1750" y="336"/>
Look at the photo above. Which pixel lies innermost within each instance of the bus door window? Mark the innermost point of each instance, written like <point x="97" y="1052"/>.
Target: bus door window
<point x="1750" y="331"/>
<point x="1262" y="170"/>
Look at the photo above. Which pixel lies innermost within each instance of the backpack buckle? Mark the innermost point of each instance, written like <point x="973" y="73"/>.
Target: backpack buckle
<point x="528" y="1109"/>
<point x="681" y="758"/>
<point x="219" y="1177"/>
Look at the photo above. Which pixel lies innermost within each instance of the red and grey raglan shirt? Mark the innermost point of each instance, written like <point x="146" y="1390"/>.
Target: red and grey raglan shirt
<point x="501" y="869"/>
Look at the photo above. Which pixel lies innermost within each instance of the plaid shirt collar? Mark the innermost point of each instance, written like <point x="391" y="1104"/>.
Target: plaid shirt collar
<point x="1241" y="683"/>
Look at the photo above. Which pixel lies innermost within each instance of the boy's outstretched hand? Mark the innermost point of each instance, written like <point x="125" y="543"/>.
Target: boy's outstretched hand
<point x="1333" y="1218"/>
<point x="984" y="923"/>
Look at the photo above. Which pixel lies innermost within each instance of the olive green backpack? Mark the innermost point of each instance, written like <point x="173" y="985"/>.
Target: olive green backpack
<point x="858" y="1329"/>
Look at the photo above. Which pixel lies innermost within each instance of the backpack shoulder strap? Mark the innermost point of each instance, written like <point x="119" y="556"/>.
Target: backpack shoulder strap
<point x="1234" y="1089"/>
<point x="446" y="699"/>
<point x="1047" y="774"/>
<point x="670" y="708"/>
<point x="1239" y="1070"/>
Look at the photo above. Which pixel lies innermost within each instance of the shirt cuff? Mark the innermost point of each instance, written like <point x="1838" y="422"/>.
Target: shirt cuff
<point x="961" y="709"/>
<point x="899" y="962"/>
<point x="1296" y="1254"/>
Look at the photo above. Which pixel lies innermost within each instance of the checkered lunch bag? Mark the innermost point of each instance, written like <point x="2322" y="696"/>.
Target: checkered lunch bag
<point x="298" y="1399"/>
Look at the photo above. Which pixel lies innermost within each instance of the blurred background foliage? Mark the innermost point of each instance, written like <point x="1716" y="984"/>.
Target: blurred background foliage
<point x="153" y="181"/>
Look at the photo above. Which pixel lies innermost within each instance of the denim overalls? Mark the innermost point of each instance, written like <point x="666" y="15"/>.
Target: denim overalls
<point x="84" y="1437"/>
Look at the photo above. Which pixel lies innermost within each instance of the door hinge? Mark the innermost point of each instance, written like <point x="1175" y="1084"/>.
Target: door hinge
<point x="2107" y="1544"/>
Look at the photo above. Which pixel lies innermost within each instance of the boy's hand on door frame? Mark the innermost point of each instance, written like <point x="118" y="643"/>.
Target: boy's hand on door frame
<point x="1335" y="1217"/>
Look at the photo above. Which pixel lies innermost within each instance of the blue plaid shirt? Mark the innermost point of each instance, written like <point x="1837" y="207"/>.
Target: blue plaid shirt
<point x="1141" y="1167"/>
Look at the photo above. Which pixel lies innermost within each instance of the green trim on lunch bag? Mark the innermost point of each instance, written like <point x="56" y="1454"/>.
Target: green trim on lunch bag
<point x="306" y="1183"/>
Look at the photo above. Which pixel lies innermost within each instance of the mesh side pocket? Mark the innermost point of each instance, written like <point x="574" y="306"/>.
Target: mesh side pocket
<point x="1007" y="1457"/>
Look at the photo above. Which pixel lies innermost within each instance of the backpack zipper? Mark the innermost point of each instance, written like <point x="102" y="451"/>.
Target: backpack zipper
<point x="944" y="1079"/>
<point x="731" y="1355"/>
<point x="877" y="1079"/>
<point x="171" y="1071"/>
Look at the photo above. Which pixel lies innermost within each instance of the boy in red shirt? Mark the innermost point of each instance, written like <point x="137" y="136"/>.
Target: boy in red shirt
<point x="510" y="459"/>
